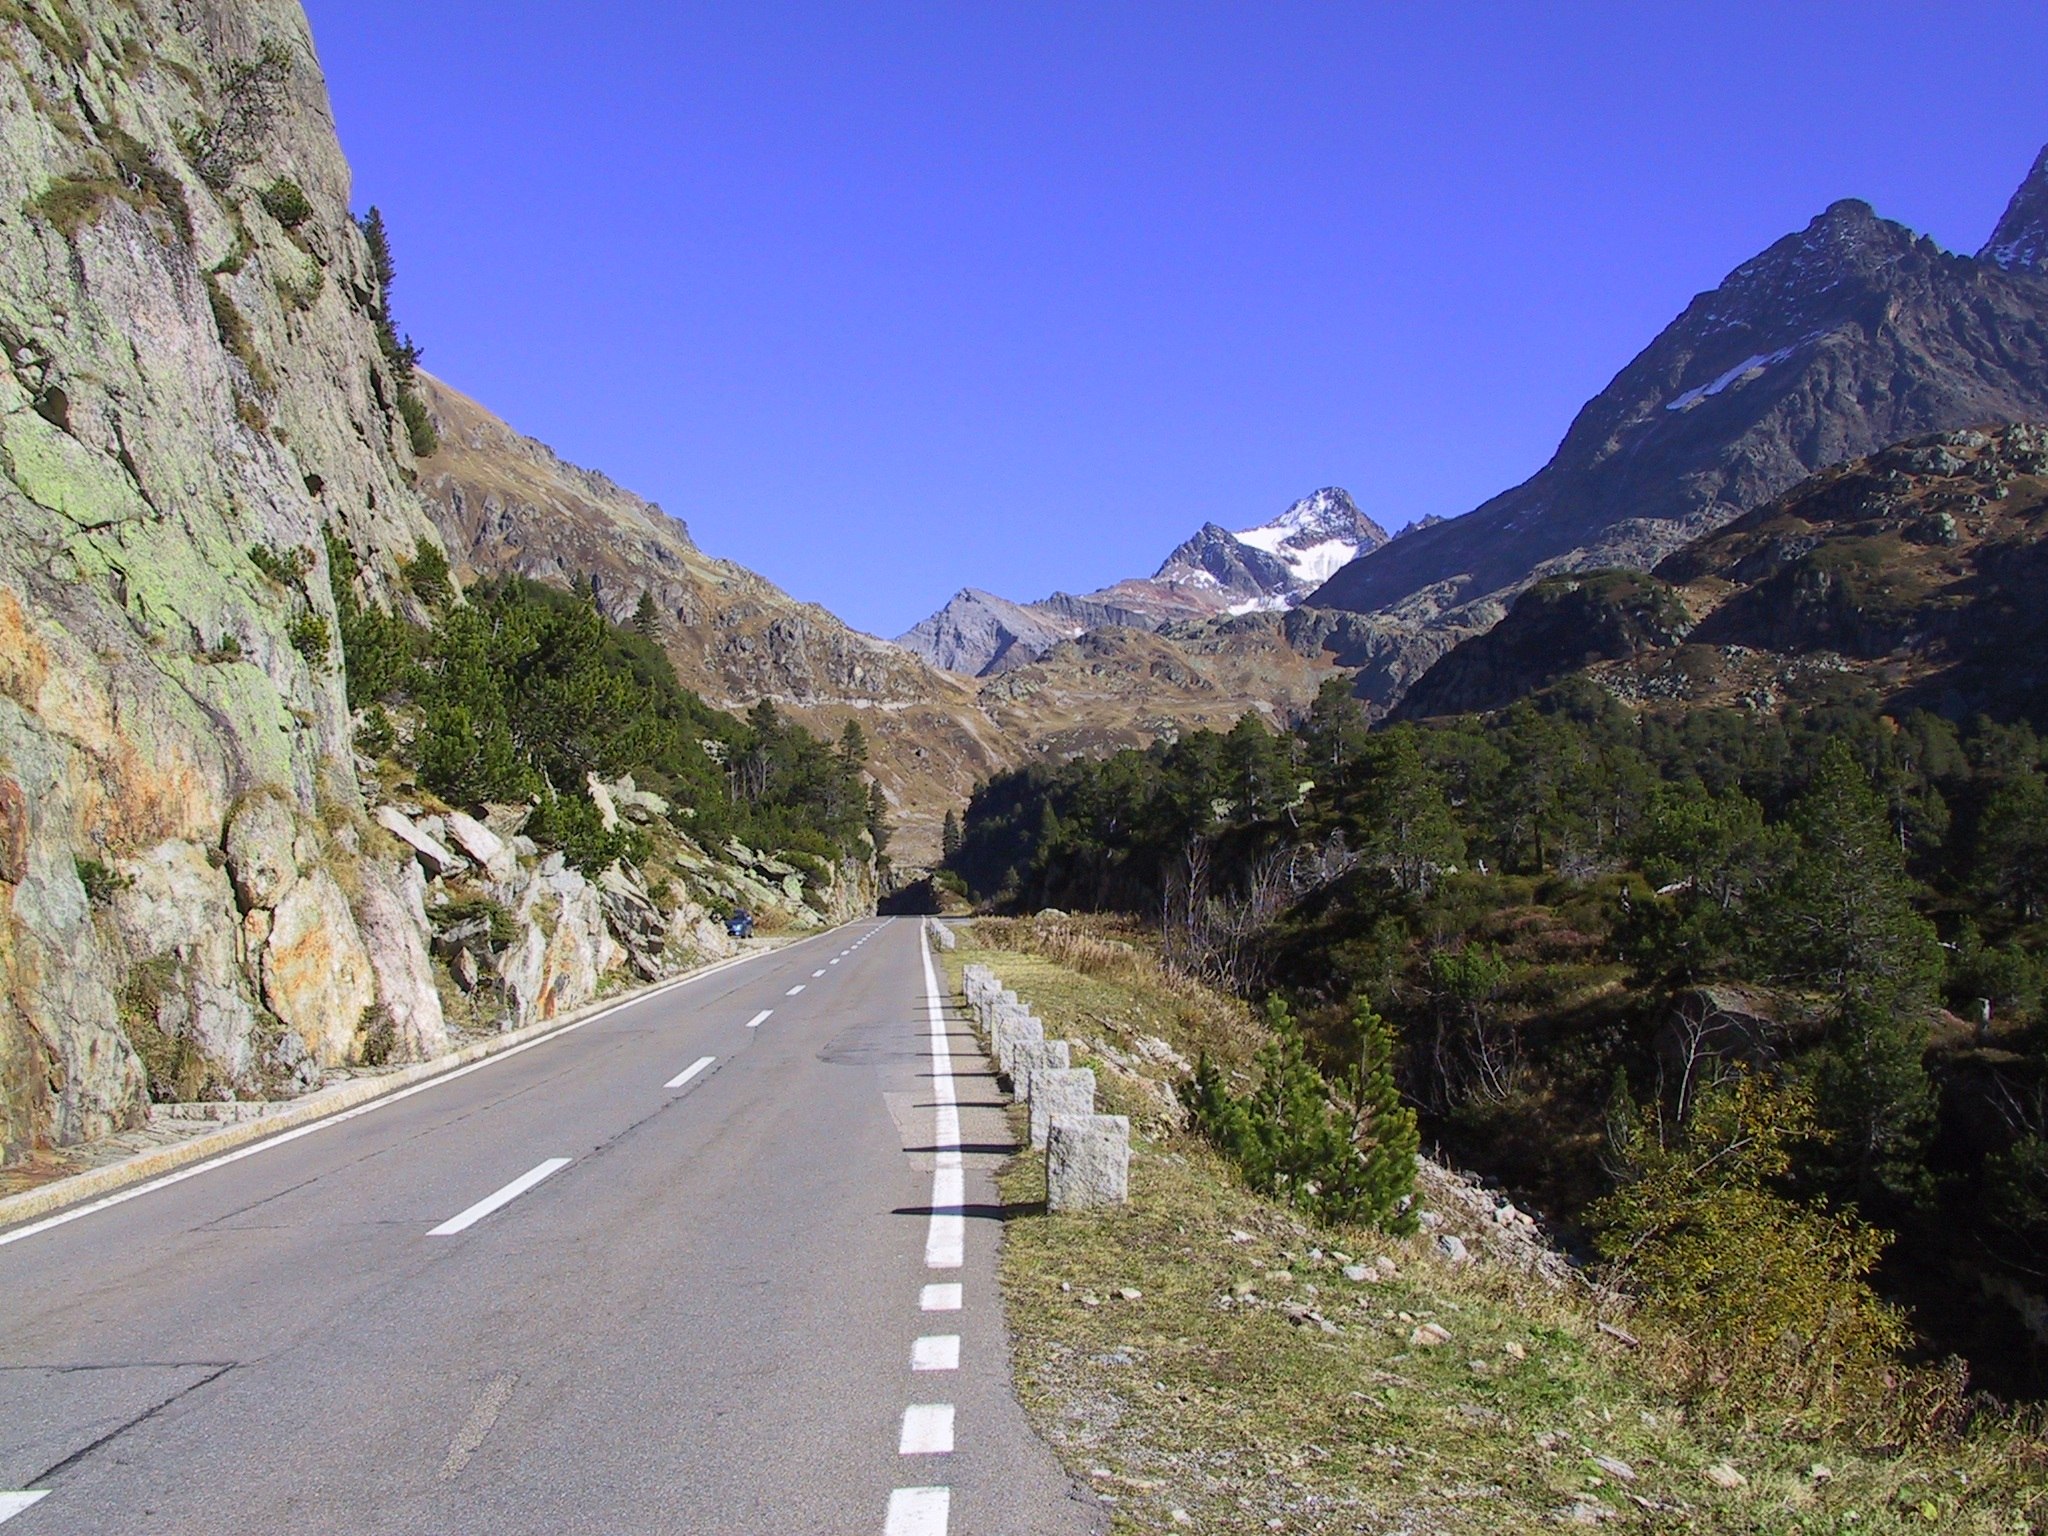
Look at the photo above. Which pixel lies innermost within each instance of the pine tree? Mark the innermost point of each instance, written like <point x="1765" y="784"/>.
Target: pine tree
<point x="949" y="837"/>
<point x="853" y="744"/>
<point x="1384" y="1134"/>
<point x="1843" y="915"/>
<point x="646" y="618"/>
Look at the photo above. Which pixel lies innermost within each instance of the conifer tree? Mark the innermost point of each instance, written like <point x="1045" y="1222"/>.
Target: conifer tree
<point x="646" y="618"/>
<point x="1383" y="1131"/>
<point x="949" y="837"/>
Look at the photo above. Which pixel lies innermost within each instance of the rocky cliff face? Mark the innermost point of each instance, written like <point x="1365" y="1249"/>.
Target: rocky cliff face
<point x="1851" y="334"/>
<point x="202" y="893"/>
<point x="192" y="375"/>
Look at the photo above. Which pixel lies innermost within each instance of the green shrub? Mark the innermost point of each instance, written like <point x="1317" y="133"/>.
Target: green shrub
<point x="311" y="638"/>
<point x="501" y="928"/>
<point x="1759" y="1297"/>
<point x="102" y="882"/>
<point x="285" y="201"/>
<point x="286" y="567"/>
<point x="1350" y="1160"/>
<point x="374" y="735"/>
<point x="575" y="826"/>
<point x="419" y="427"/>
<point x="427" y="574"/>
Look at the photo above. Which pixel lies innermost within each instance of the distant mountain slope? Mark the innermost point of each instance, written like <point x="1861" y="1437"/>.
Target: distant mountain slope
<point x="507" y="504"/>
<point x="1213" y="574"/>
<point x="1918" y="570"/>
<point x="1849" y="335"/>
<point x="978" y="633"/>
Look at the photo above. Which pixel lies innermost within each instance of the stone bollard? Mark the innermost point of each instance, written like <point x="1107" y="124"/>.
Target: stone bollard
<point x="1013" y="1028"/>
<point x="942" y="936"/>
<point x="1087" y="1162"/>
<point x="1030" y="1056"/>
<point x="1069" y="1092"/>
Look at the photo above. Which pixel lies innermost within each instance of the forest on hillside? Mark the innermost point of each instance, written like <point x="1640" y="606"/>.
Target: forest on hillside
<point x="522" y="692"/>
<point x="1615" y="947"/>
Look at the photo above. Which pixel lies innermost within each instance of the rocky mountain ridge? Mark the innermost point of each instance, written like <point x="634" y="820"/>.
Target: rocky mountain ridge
<point x="1213" y="574"/>
<point x="1915" y="572"/>
<point x="1837" y="340"/>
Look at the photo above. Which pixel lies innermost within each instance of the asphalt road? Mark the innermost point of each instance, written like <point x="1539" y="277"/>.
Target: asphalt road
<point x="697" y="1308"/>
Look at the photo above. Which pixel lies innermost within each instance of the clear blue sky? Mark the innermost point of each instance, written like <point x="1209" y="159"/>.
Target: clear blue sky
<point x="887" y="300"/>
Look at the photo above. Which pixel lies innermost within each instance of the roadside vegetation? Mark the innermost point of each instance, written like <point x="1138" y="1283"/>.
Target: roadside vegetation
<point x="521" y="692"/>
<point x="1611" y="946"/>
<point x="1211" y="1358"/>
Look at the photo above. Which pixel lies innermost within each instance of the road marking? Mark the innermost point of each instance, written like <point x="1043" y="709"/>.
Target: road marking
<point x="945" y="1243"/>
<point x="760" y="1018"/>
<point x="794" y="990"/>
<point x="944" y="1297"/>
<point x="927" y="1430"/>
<point x="478" y="1427"/>
<point x="936" y="1352"/>
<point x="12" y="1504"/>
<point x="505" y="1196"/>
<point x="918" y="1512"/>
<point x="691" y="1070"/>
<point x="341" y="1117"/>
<point x="816" y="974"/>
<point x="833" y="961"/>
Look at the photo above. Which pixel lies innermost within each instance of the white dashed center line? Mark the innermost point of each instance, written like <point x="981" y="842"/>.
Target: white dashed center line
<point x="940" y="1298"/>
<point x="936" y="1352"/>
<point x="760" y="1018"/>
<point x="794" y="990"/>
<point x="918" y="1512"/>
<point x="945" y="1244"/>
<point x="816" y="974"/>
<point x="927" y="1430"/>
<point x="689" y="1072"/>
<point x="505" y="1196"/>
<point x="12" y="1504"/>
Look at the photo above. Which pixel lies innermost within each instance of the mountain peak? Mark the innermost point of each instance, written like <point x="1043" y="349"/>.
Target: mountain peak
<point x="2020" y="242"/>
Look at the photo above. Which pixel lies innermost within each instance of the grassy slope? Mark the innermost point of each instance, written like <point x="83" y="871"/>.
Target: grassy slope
<point x="1214" y="1398"/>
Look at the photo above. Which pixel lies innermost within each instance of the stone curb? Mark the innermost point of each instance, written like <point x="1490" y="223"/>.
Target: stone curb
<point x="48" y="1198"/>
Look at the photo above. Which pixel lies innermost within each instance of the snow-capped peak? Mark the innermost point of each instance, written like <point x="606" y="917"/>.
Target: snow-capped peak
<point x="1317" y="536"/>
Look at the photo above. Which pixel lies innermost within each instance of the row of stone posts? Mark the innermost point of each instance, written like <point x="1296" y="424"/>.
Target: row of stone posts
<point x="1087" y="1156"/>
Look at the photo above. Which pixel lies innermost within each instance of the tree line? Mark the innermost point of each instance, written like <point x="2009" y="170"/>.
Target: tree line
<point x="1613" y="943"/>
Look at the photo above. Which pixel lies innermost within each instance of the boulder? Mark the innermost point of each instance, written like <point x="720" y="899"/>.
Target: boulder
<point x="392" y="914"/>
<point x="1059" y="1092"/>
<point x="1087" y="1161"/>
<point x="482" y="845"/>
<point x="434" y="856"/>
<point x="317" y="976"/>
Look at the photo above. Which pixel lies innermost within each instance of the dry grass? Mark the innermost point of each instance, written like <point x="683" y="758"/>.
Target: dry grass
<point x="1249" y="1386"/>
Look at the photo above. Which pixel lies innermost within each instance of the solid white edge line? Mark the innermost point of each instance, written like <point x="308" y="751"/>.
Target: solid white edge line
<point x="689" y="1072"/>
<point x="936" y="1352"/>
<point x="519" y="1186"/>
<point x="13" y="1503"/>
<point x="927" y="1430"/>
<point x="942" y="1296"/>
<point x="761" y="1018"/>
<point x="945" y="1243"/>
<point x="918" y="1512"/>
<point x="283" y="1138"/>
